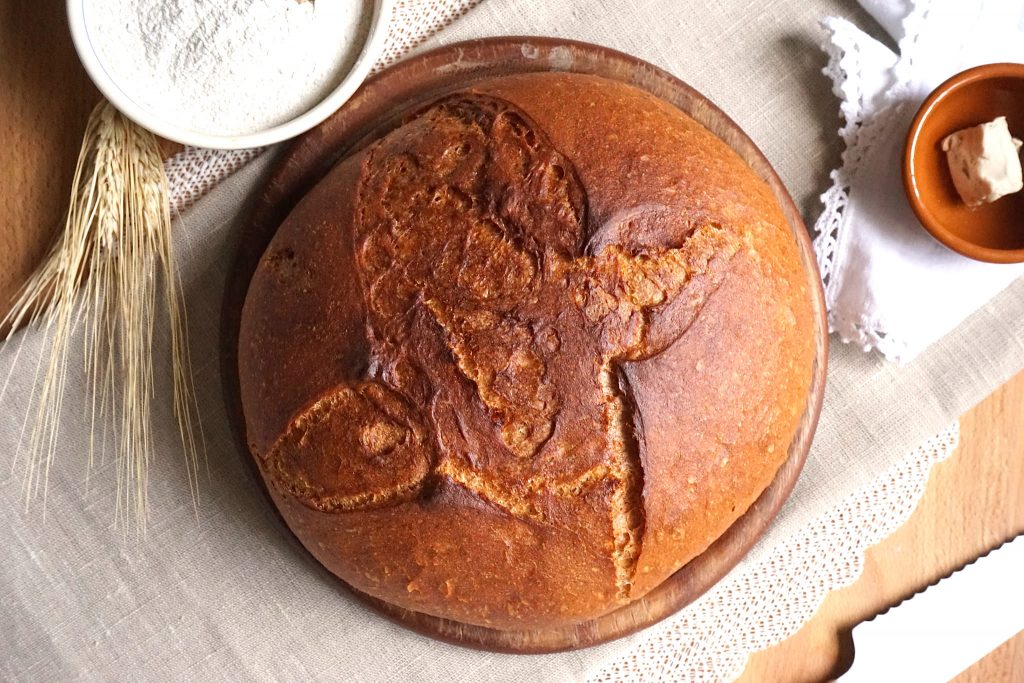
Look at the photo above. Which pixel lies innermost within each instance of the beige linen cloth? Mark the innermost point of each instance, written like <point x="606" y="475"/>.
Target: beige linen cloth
<point x="223" y="593"/>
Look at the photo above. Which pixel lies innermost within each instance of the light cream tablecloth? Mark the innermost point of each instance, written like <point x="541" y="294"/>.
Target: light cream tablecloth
<point x="226" y="595"/>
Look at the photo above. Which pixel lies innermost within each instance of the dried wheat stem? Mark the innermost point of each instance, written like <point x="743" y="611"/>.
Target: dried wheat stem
<point x="110" y="274"/>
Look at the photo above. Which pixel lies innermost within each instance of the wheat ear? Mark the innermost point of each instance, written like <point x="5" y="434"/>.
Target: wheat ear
<point x="111" y="271"/>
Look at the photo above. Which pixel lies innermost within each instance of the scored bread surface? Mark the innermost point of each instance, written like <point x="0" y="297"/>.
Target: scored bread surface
<point x="523" y="357"/>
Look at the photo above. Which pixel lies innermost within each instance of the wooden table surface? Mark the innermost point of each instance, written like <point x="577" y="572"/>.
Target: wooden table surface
<point x="973" y="502"/>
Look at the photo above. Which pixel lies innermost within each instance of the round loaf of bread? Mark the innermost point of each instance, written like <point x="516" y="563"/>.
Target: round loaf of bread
<point x="523" y="357"/>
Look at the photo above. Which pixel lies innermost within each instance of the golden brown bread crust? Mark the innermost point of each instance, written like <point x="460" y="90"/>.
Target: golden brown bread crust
<point x="525" y="356"/>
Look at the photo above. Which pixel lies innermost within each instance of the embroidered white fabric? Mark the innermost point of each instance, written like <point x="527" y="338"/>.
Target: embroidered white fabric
<point x="194" y="171"/>
<point x="762" y="604"/>
<point x="888" y="284"/>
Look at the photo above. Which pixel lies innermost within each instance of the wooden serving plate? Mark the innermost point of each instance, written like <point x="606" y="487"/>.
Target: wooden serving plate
<point x="379" y="106"/>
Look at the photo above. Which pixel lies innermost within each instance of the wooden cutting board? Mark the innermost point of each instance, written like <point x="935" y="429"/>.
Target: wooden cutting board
<point x="376" y="108"/>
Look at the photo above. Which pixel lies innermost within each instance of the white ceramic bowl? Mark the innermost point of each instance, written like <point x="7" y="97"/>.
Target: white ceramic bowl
<point x="167" y="128"/>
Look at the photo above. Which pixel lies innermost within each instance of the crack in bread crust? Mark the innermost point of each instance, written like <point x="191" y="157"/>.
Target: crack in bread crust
<point x="619" y="291"/>
<point x="496" y="422"/>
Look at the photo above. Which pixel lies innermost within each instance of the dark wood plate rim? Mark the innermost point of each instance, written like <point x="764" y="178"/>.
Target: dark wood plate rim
<point x="378" y="105"/>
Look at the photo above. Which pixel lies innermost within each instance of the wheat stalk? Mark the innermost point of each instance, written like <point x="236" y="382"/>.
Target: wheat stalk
<point x="110" y="270"/>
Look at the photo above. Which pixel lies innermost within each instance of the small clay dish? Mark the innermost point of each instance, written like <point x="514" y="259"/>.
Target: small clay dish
<point x="993" y="232"/>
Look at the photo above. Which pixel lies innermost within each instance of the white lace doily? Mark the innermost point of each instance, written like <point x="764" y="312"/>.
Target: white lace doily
<point x="888" y="285"/>
<point x="860" y="69"/>
<point x="760" y="605"/>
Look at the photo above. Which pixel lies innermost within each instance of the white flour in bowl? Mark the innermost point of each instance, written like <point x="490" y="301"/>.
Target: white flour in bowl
<point x="227" y="67"/>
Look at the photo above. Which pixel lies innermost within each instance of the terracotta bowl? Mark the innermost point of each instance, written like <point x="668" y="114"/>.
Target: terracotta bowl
<point x="992" y="232"/>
